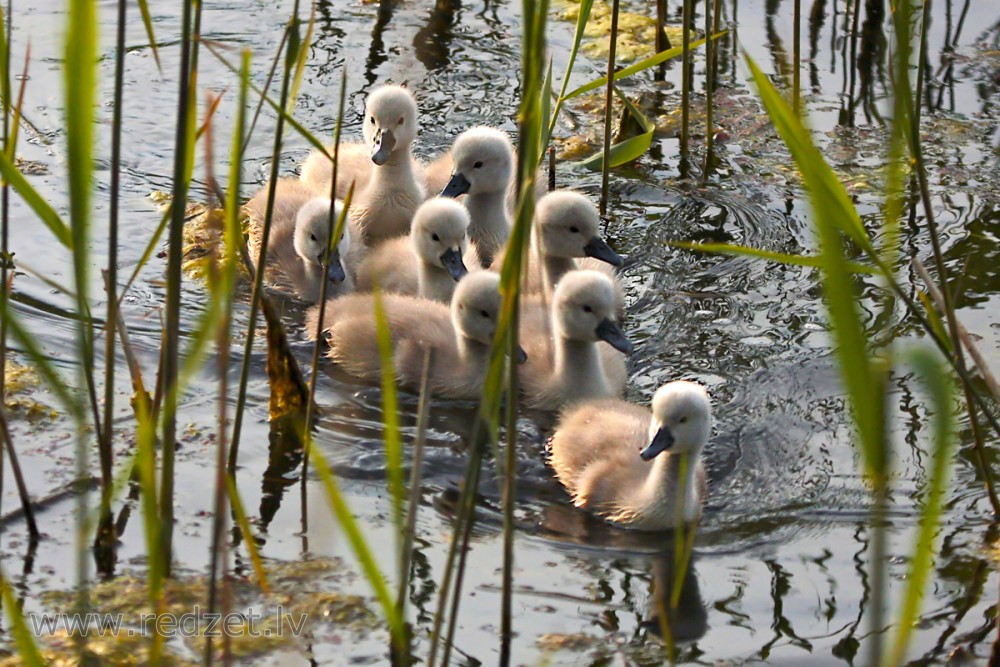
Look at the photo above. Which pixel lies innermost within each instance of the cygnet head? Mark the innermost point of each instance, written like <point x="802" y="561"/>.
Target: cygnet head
<point x="568" y="226"/>
<point x="311" y="239"/>
<point x="583" y="309"/>
<point x="475" y="308"/>
<point x="390" y="122"/>
<point x="440" y="235"/>
<point x="484" y="162"/>
<point x="682" y="420"/>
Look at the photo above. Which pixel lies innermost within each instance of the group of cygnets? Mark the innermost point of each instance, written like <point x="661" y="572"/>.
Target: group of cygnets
<point x="436" y="261"/>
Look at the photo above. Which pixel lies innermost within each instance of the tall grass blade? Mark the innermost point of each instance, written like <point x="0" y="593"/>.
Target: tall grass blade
<point x="35" y="201"/>
<point x="244" y="523"/>
<point x="390" y="418"/>
<point x="27" y="650"/>
<point x="301" y="60"/>
<point x="583" y="16"/>
<point x="608" y="109"/>
<point x="768" y="255"/>
<point x="15" y="468"/>
<point x="147" y="22"/>
<point x="938" y="386"/>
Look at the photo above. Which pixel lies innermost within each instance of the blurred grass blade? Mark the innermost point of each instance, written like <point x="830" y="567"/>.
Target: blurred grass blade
<point x="830" y="198"/>
<point x="15" y="123"/>
<point x="935" y="320"/>
<point x="390" y="417"/>
<point x="300" y="61"/>
<point x="644" y="64"/>
<point x="24" y="639"/>
<point x="938" y="386"/>
<point x="42" y="209"/>
<point x="630" y="149"/>
<point x="249" y="539"/>
<point x="582" y="18"/>
<point x="771" y="256"/>
<point x="151" y="247"/>
<point x="833" y="213"/>
<point x="357" y="541"/>
<point x="147" y="22"/>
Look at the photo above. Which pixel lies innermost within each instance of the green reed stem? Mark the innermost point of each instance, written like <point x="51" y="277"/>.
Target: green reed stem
<point x="333" y="238"/>
<point x="291" y="55"/>
<point x="662" y="41"/>
<point x="509" y="499"/>
<point x="171" y="343"/>
<point x="106" y="531"/>
<point x="608" y="108"/>
<point x="4" y="220"/>
<point x="686" y="84"/>
<point x="711" y="65"/>
<point x="796" y="55"/>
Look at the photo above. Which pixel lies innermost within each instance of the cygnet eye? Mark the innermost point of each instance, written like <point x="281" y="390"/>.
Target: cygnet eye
<point x="312" y="236"/>
<point x="401" y="119"/>
<point x="484" y="313"/>
<point x="371" y="119"/>
<point x="682" y="420"/>
<point x="574" y="230"/>
<point x="588" y="309"/>
<point x="478" y="164"/>
<point x="435" y="237"/>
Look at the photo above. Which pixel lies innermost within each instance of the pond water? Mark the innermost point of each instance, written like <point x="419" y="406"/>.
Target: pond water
<point x="782" y="560"/>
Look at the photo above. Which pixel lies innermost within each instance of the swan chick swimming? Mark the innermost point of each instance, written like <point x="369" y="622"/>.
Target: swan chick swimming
<point x="636" y="468"/>
<point x="566" y="362"/>
<point x="388" y="183"/>
<point x="298" y="242"/>
<point x="429" y="262"/>
<point x="483" y="168"/>
<point x="460" y="335"/>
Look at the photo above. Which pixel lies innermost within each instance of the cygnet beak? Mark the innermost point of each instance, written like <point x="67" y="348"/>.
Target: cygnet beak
<point x="662" y="441"/>
<point x="598" y="249"/>
<point x="335" y="272"/>
<point x="611" y="334"/>
<point x="452" y="260"/>
<point x="458" y="185"/>
<point x="385" y="141"/>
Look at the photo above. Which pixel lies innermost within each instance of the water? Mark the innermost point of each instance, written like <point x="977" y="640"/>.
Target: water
<point x="781" y="560"/>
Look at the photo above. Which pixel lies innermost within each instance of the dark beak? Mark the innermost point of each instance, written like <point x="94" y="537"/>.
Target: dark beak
<point x="598" y="249"/>
<point x="521" y="355"/>
<point x="335" y="272"/>
<point x="385" y="141"/>
<point x="662" y="441"/>
<point x="609" y="332"/>
<point x="458" y="185"/>
<point x="452" y="261"/>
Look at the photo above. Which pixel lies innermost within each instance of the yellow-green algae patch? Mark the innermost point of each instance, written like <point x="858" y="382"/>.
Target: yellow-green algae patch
<point x="21" y="381"/>
<point x="636" y="32"/>
<point x="305" y="592"/>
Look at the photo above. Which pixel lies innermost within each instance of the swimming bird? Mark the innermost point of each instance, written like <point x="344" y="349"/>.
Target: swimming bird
<point x="566" y="362"/>
<point x="636" y="468"/>
<point x="566" y="236"/>
<point x="428" y="263"/>
<point x="388" y="182"/>
<point x="482" y="161"/>
<point x="298" y="241"/>
<point x="460" y="335"/>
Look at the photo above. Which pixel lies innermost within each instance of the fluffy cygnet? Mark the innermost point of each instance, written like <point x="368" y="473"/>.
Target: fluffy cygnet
<point x="566" y="361"/>
<point x="460" y="335"/>
<point x="482" y="169"/>
<point x="298" y="241"/>
<point x="388" y="184"/>
<point x="633" y="467"/>
<point x="429" y="262"/>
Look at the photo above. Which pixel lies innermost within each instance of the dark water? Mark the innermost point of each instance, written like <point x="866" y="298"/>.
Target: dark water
<point x="780" y="574"/>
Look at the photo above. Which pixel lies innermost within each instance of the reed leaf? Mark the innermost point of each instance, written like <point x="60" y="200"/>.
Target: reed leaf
<point x="642" y="65"/>
<point x="834" y="214"/>
<point x="244" y="523"/>
<point x="147" y="253"/>
<point x="582" y="18"/>
<point x="300" y="61"/>
<point x="27" y="650"/>
<point x="630" y="149"/>
<point x="938" y="386"/>
<point x="15" y="123"/>
<point x="780" y="257"/>
<point x="147" y="22"/>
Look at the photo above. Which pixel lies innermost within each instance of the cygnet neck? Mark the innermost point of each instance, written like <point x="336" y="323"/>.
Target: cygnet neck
<point x="554" y="268"/>
<point x="398" y="167"/>
<point x="313" y="274"/>
<point x="490" y="224"/>
<point x="671" y="474"/>
<point x="470" y="351"/>
<point x="578" y="366"/>
<point x="434" y="283"/>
